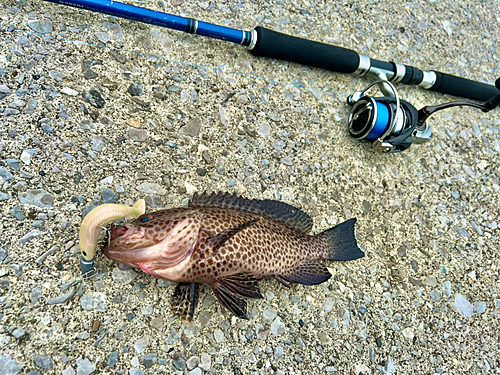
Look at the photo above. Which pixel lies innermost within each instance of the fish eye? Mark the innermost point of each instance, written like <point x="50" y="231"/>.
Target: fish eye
<point x="145" y="218"/>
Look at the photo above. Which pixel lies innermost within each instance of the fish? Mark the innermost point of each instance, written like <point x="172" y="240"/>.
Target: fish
<point x="230" y="243"/>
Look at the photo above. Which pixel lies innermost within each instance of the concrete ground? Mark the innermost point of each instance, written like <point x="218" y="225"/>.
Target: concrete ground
<point x="98" y="109"/>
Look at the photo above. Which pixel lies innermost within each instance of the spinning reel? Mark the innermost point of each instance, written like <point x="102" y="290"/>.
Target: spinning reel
<point x="392" y="124"/>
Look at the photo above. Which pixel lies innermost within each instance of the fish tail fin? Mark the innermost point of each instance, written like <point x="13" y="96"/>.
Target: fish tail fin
<point x="343" y="242"/>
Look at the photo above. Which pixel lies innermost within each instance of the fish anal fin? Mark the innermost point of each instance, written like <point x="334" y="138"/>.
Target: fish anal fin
<point x="244" y="284"/>
<point x="283" y="281"/>
<point x="231" y="291"/>
<point x="233" y="302"/>
<point x="308" y="273"/>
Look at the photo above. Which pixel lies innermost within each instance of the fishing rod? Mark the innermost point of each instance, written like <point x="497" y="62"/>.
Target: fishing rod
<point x="391" y="124"/>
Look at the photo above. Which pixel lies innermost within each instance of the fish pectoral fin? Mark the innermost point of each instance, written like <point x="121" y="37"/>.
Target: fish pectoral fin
<point x="312" y="272"/>
<point x="221" y="238"/>
<point x="231" y="292"/>
<point x="184" y="300"/>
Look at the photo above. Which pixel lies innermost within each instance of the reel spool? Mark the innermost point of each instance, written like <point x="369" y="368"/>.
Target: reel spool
<point x="388" y="122"/>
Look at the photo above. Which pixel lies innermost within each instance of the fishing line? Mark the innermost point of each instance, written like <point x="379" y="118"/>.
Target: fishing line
<point x="11" y="29"/>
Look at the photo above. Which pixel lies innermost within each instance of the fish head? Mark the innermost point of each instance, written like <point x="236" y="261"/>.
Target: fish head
<point x="157" y="241"/>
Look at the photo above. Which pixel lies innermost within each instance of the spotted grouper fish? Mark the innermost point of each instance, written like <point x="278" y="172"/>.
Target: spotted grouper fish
<point x="230" y="243"/>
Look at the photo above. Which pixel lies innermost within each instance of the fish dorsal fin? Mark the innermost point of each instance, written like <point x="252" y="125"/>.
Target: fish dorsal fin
<point x="289" y="215"/>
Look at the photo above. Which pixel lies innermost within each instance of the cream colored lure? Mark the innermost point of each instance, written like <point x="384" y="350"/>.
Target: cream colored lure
<point x="102" y="216"/>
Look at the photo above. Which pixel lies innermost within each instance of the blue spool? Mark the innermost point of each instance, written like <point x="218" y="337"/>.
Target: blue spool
<point x="381" y="122"/>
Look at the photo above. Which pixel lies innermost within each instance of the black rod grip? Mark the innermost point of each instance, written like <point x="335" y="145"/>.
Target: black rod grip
<point x="465" y="88"/>
<point x="307" y="52"/>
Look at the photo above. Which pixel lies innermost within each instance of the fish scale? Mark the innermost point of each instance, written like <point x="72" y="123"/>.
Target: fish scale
<point x="230" y="243"/>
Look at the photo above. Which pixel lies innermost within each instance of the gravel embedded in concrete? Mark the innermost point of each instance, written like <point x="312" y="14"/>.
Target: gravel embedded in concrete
<point x="82" y="125"/>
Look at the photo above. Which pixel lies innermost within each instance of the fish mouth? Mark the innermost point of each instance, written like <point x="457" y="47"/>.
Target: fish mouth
<point x="124" y="239"/>
<point x="126" y="231"/>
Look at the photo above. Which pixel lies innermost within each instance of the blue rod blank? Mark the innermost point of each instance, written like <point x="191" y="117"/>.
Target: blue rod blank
<point x="134" y="13"/>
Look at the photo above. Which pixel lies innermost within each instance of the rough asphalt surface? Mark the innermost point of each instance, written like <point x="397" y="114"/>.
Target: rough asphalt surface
<point x="96" y="109"/>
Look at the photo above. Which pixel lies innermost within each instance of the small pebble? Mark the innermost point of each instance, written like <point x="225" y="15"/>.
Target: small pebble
<point x="62" y="298"/>
<point x="179" y="362"/>
<point x="109" y="196"/>
<point x="205" y="362"/>
<point x="138" y="135"/>
<point x="141" y="344"/>
<point x="135" y="89"/>
<point x="430" y="281"/>
<point x="435" y="295"/>
<point x="94" y="97"/>
<point x="4" y="91"/>
<point x="44" y="362"/>
<point x="123" y="277"/>
<point x="5" y="174"/>
<point x="328" y="305"/>
<point x="18" y="333"/>
<point x="149" y="360"/>
<point x="40" y="26"/>
<point x="463" y="306"/>
<point x="113" y="359"/>
<point x="192" y="128"/>
<point x="84" y="367"/>
<point x="480" y="307"/>
<point x="192" y="362"/>
<point x="102" y="36"/>
<point x="95" y="301"/>
<point x="269" y="315"/>
<point x="265" y="129"/>
<point x="219" y="336"/>
<point x="278" y="352"/>
<point x="39" y="198"/>
<point x="277" y="327"/>
<point x="30" y="236"/>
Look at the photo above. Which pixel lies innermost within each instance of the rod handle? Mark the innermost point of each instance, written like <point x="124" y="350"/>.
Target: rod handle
<point x="280" y="46"/>
<point x="457" y="86"/>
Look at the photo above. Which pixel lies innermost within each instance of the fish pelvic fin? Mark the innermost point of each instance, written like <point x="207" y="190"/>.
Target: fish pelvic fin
<point x="184" y="300"/>
<point x="232" y="291"/>
<point x="343" y="242"/>
<point x="313" y="272"/>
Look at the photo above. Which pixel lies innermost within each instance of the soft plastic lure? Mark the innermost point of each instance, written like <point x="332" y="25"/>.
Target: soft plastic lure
<point x="101" y="216"/>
